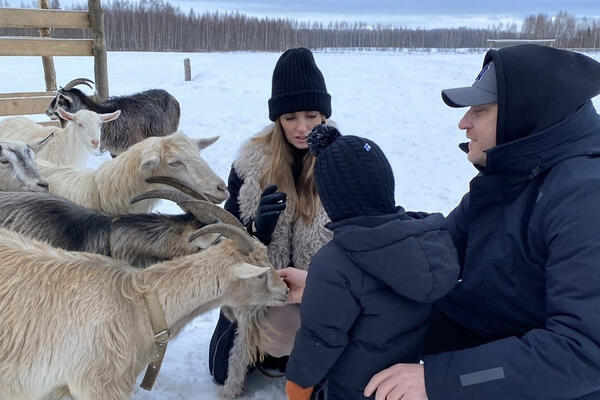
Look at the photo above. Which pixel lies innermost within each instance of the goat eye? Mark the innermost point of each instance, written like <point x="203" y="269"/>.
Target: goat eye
<point x="262" y="276"/>
<point x="81" y="126"/>
<point x="175" y="163"/>
<point x="4" y="162"/>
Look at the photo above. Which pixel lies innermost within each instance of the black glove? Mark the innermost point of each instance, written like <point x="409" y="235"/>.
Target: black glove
<point x="272" y="203"/>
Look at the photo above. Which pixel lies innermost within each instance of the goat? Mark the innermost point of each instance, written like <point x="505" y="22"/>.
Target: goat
<point x="18" y="172"/>
<point x="153" y="112"/>
<point x="115" y="182"/>
<point x="69" y="146"/>
<point x="138" y="239"/>
<point x="79" y="322"/>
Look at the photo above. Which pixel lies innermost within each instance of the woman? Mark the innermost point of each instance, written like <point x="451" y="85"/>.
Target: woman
<point x="272" y="191"/>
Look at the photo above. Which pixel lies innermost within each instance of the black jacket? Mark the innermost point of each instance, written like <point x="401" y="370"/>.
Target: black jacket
<point x="368" y="297"/>
<point x="528" y="239"/>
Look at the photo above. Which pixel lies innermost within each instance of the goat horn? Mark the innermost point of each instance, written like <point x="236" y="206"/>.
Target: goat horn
<point x="177" y="184"/>
<point x="79" y="81"/>
<point x="200" y="208"/>
<point x="167" y="194"/>
<point x="242" y="240"/>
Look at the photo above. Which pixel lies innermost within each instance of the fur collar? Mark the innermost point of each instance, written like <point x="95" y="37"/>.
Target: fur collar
<point x="293" y="242"/>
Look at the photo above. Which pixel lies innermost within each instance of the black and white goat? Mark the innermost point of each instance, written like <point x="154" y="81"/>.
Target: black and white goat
<point x="152" y="112"/>
<point x="138" y="239"/>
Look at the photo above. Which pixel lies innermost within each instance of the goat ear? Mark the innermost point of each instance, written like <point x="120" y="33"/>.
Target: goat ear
<point x="150" y="161"/>
<point x="248" y="271"/>
<point x="65" y="114"/>
<point x="111" y="116"/>
<point x="205" y="241"/>
<point x="37" y="146"/>
<point x="204" y="143"/>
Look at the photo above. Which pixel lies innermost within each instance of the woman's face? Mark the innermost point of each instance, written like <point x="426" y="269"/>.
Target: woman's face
<point x="298" y="125"/>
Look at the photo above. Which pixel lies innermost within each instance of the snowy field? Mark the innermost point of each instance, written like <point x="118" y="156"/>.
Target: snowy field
<point x="390" y="97"/>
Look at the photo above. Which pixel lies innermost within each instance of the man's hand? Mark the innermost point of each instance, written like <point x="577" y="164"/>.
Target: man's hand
<point x="401" y="381"/>
<point x="295" y="279"/>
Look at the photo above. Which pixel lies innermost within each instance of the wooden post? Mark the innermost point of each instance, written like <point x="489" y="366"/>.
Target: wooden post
<point x="47" y="61"/>
<point x="188" y="69"/>
<point x="100" y="59"/>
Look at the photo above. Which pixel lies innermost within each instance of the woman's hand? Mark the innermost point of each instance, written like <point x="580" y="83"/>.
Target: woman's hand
<point x="272" y="204"/>
<point x="295" y="279"/>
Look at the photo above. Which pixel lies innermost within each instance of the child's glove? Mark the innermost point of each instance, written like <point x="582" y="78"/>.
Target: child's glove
<point x="297" y="392"/>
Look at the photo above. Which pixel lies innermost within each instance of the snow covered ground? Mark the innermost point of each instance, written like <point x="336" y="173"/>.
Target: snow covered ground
<point x="390" y="97"/>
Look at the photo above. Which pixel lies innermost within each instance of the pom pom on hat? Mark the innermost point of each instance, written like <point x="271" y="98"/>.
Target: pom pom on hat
<point x="320" y="137"/>
<point x="352" y="175"/>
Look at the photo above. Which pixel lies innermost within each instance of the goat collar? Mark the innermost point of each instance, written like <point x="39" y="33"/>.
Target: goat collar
<point x="161" y="338"/>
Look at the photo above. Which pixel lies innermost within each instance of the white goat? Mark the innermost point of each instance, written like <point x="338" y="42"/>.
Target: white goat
<point x="18" y="172"/>
<point x="110" y="188"/>
<point x="78" y="322"/>
<point x="69" y="146"/>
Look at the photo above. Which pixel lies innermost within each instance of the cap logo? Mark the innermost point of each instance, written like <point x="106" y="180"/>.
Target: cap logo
<point x="483" y="71"/>
<point x="367" y="147"/>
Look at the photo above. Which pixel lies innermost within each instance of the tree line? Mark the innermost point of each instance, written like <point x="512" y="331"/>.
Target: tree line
<point x="156" y="25"/>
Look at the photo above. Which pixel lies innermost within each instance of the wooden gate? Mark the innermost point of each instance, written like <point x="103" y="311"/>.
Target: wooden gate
<point x="48" y="47"/>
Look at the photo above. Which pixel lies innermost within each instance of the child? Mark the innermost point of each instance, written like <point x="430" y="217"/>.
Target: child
<point x="369" y="291"/>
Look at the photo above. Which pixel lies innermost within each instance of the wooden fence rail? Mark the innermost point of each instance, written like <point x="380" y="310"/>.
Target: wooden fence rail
<point x="48" y="47"/>
<point x="27" y="18"/>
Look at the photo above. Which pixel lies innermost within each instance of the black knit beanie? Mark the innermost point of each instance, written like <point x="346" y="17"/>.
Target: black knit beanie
<point x="298" y="85"/>
<point x="353" y="176"/>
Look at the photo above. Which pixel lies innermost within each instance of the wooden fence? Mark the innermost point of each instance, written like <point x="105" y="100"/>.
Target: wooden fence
<point x="48" y="47"/>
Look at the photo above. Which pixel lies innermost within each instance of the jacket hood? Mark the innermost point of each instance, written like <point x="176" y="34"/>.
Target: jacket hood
<point x="415" y="257"/>
<point x="525" y="158"/>
<point x="539" y="86"/>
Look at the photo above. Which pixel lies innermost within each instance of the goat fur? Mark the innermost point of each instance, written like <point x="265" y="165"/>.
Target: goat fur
<point x="138" y="239"/>
<point x="69" y="146"/>
<point x="110" y="188"/>
<point x="78" y="321"/>
<point x="153" y="112"/>
<point x="18" y="172"/>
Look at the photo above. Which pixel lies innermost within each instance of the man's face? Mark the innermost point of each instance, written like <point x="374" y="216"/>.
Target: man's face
<point x="480" y="124"/>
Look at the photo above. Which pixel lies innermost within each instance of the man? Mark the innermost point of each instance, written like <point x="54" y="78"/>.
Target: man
<point x="524" y="320"/>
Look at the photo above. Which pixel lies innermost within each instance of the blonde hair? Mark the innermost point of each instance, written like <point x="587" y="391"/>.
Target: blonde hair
<point x="303" y="194"/>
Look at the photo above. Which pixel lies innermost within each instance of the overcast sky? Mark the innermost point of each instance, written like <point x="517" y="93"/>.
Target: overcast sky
<point x="403" y="13"/>
<point x="409" y="13"/>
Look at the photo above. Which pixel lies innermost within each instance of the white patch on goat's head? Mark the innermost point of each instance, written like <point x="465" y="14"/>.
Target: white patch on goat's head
<point x="179" y="157"/>
<point x="18" y="172"/>
<point x="254" y="285"/>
